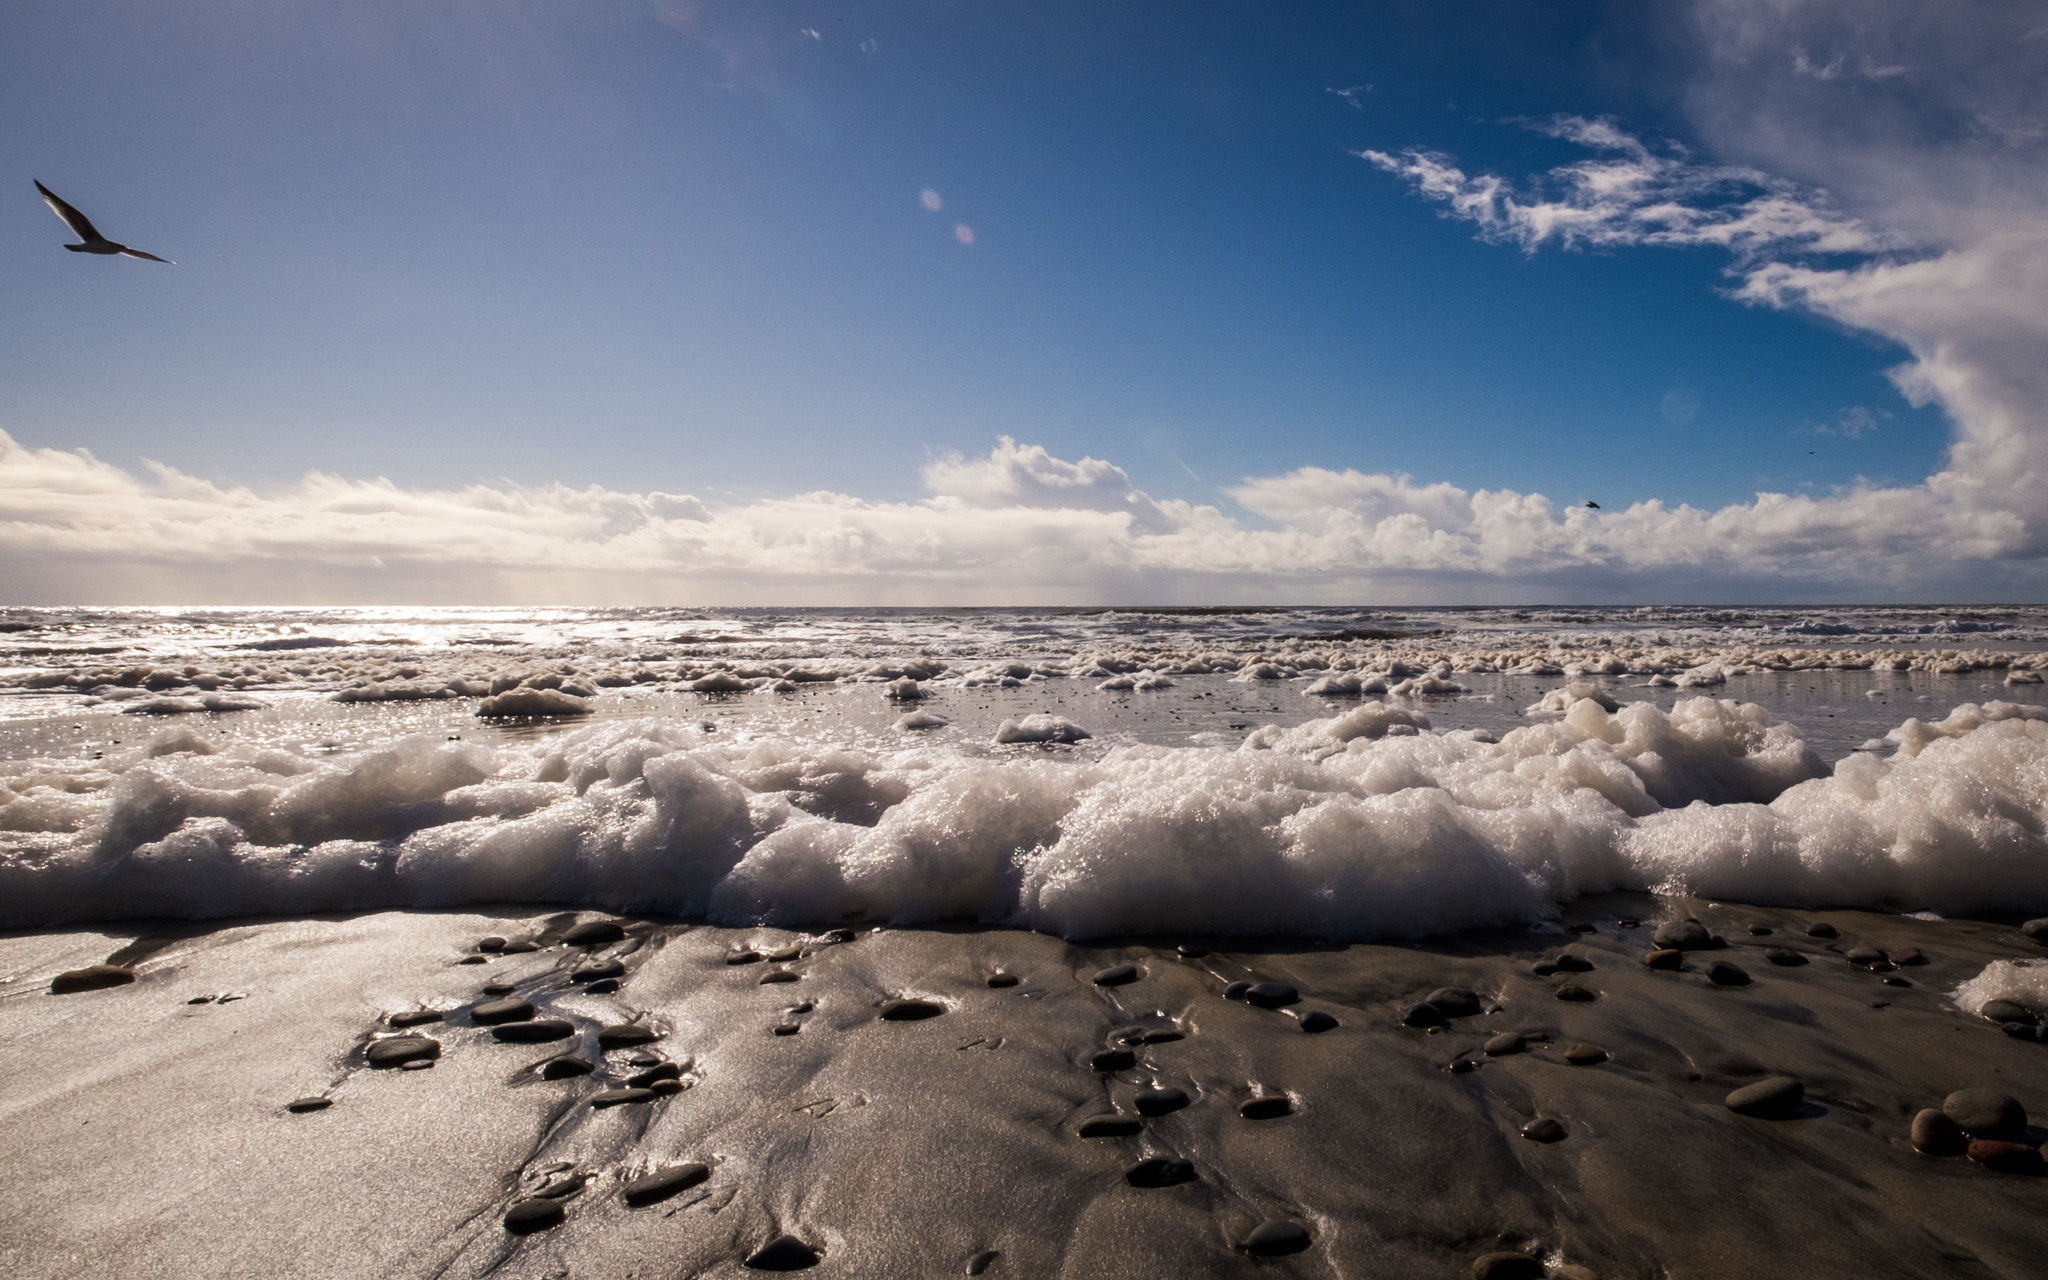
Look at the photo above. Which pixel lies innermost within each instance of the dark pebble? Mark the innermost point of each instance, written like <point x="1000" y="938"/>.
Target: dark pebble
<point x="1897" y="982"/>
<point x="1866" y="955"/>
<point x="1160" y="1171"/>
<point x="2007" y="1011"/>
<point x="664" y="1071"/>
<point x="1114" y="1060"/>
<point x="1723" y="974"/>
<point x="1573" y="991"/>
<point x="94" y="977"/>
<point x="594" y="933"/>
<point x="565" y="1068"/>
<point x="666" y="1088"/>
<point x="1507" y="1266"/>
<point x="1236" y="990"/>
<point x="539" y="1032"/>
<point x="1936" y="1135"/>
<point x="2033" y="1031"/>
<point x="1504" y="1043"/>
<point x="642" y="1058"/>
<point x="414" y="1018"/>
<point x="625" y="1035"/>
<point x="417" y="1064"/>
<point x="302" y="1105"/>
<point x="1462" y="1067"/>
<point x="597" y="970"/>
<point x="497" y="1011"/>
<point x="744" y="957"/>
<point x="786" y="1029"/>
<point x="1584" y="1055"/>
<point x="1422" y="1015"/>
<point x="1783" y="956"/>
<point x="1191" y="951"/>
<point x="397" y="1050"/>
<point x="1110" y="1127"/>
<point x="602" y="987"/>
<point x="490" y="944"/>
<point x="200" y="1000"/>
<point x="839" y="935"/>
<point x="1315" y="1022"/>
<point x="910" y="1010"/>
<point x="1821" y="929"/>
<point x="1159" y="1102"/>
<point x="2037" y="930"/>
<point x="1573" y="962"/>
<point x="1116" y="975"/>
<point x="1267" y="1107"/>
<point x="2005" y="1157"/>
<point x="1665" y="958"/>
<point x="1778" y="1096"/>
<point x="520" y="948"/>
<point x="1543" y="968"/>
<point x="1986" y="1113"/>
<point x="1002" y="980"/>
<point x="620" y="1097"/>
<point x="473" y="960"/>
<point x="500" y="988"/>
<point x="1271" y="1239"/>
<point x="536" y="1213"/>
<point x="1906" y="956"/>
<point x="774" y="976"/>
<point x="1682" y="935"/>
<point x="783" y="1253"/>
<point x="1759" y="931"/>
<point x="1271" y="995"/>
<point x="782" y="954"/>
<point x="664" y="1183"/>
<point x="1543" y="1129"/>
<point x="1453" y="1002"/>
<point x="982" y="1261"/>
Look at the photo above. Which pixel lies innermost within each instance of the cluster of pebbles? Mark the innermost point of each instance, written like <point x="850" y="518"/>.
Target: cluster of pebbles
<point x="1496" y="1104"/>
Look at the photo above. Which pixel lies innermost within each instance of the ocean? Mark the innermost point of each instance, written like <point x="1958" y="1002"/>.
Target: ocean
<point x="1333" y="773"/>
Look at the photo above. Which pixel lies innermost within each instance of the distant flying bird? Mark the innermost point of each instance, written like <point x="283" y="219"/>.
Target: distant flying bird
<point x="1594" y="505"/>
<point x="82" y="227"/>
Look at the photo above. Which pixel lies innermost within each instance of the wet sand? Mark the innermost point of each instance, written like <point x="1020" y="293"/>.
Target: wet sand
<point x="898" y="1106"/>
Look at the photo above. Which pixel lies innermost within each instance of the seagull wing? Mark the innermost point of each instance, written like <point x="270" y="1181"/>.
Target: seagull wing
<point x="81" y="226"/>
<point x="126" y="252"/>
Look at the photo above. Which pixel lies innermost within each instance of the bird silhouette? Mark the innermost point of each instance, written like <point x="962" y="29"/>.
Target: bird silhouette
<point x="81" y="226"/>
<point x="1594" y="505"/>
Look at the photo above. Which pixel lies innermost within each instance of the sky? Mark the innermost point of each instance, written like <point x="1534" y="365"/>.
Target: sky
<point x="995" y="302"/>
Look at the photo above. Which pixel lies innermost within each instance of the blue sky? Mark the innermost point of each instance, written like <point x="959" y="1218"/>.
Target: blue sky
<point x="676" y="248"/>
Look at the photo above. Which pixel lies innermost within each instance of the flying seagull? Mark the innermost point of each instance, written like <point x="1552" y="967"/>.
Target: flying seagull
<point x="1594" y="505"/>
<point x="82" y="227"/>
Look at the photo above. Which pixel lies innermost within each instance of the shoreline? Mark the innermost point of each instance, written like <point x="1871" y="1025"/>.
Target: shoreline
<point x="153" y="1135"/>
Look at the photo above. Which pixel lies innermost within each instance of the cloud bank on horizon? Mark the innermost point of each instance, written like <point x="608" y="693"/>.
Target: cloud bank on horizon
<point x="1882" y="166"/>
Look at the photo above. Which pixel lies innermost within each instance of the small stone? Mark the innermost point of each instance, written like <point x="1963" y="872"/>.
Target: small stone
<point x="498" y="1011"/>
<point x="782" y="955"/>
<point x="414" y="1018"/>
<point x="1543" y="968"/>
<point x="1269" y="1106"/>
<point x="1505" y="1043"/>
<point x="1110" y="1127"/>
<point x="1584" y="1055"/>
<point x="1159" y="1102"/>
<point x="1785" y="957"/>
<point x="786" y="1029"/>
<point x="663" y="1183"/>
<point x="1759" y="931"/>
<point x="1723" y="974"/>
<point x="783" y="1253"/>
<point x="490" y="944"/>
<point x="1271" y="995"/>
<point x="500" y="988"/>
<point x="743" y="957"/>
<point x="620" y="1097"/>
<point x="299" y="1106"/>
<point x="1507" y="1266"/>
<point x="662" y="1071"/>
<point x="1160" y="1171"/>
<point x="642" y="1058"/>
<point x="2032" y="1031"/>
<point x="1936" y="1135"/>
<point x="2037" y="930"/>
<point x="538" y="1032"/>
<point x="2005" y="1157"/>
<point x="1897" y="982"/>
<point x="666" y="1088"/>
<point x="200" y="1000"/>
<point x="1462" y="1067"/>
<point x="1821" y="929"/>
<point x="594" y="933"/>
<point x="1683" y="935"/>
<point x="1422" y="1015"/>
<point x="1315" y="1022"/>
<point x="1454" y="1002"/>
<point x="1236" y="990"/>
<point x="1572" y="962"/>
<point x="1109" y="1060"/>
<point x="597" y="970"/>
<point x="982" y="1261"/>
<point x="94" y="977"/>
<point x="602" y="987"/>
<point x="396" y="1050"/>
<point x="1573" y="991"/>
<point x="908" y="1010"/>
<point x="1665" y="958"/>
<point x="1866" y="955"/>
<point x="536" y="1213"/>
<point x="840" y="935"/>
<point x="2007" y="1011"/>
<point x="1907" y="955"/>
<point x="473" y="960"/>
<point x="417" y="1064"/>
<point x="565" y="1068"/>
<point x="520" y="947"/>
<point x="1192" y="951"/>
<point x="625" y="1035"/>
<point x="1543" y="1129"/>
<point x="1986" y="1113"/>
<point x="1116" y="975"/>
<point x="774" y="976"/>
<point x="1002" y="980"/>
<point x="1777" y="1097"/>
<point x="1272" y="1239"/>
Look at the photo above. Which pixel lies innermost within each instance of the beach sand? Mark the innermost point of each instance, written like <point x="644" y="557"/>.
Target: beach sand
<point x="148" y="1131"/>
